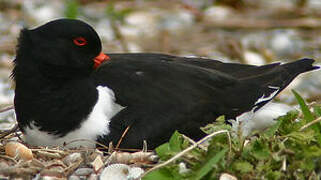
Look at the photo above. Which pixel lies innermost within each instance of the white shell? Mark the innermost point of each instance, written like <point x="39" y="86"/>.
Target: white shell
<point x="121" y="172"/>
<point x="261" y="119"/>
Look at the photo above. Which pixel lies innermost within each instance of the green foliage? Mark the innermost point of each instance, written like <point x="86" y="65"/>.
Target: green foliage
<point x="284" y="151"/>
<point x="308" y="116"/>
<point x="208" y="165"/>
<point x="71" y="9"/>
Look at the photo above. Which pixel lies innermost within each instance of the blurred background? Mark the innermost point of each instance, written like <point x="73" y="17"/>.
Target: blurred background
<point x="244" y="31"/>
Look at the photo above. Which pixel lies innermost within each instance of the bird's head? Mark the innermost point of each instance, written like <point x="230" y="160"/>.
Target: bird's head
<point x="60" y="48"/>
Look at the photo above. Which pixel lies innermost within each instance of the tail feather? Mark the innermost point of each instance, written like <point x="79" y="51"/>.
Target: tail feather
<point x="300" y="66"/>
<point x="271" y="83"/>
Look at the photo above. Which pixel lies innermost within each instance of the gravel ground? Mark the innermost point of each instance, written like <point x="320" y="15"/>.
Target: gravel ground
<point x="254" y="33"/>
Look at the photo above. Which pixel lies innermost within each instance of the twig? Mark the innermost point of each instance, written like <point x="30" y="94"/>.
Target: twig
<point x="20" y="172"/>
<point x="180" y="154"/>
<point x="193" y="142"/>
<point x="6" y="108"/>
<point x="310" y="124"/>
<point x="122" y="136"/>
<point x="8" y="158"/>
<point x="6" y="133"/>
<point x="50" y="151"/>
<point x="73" y="167"/>
<point x="48" y="154"/>
<point x="88" y="140"/>
<point x="246" y="23"/>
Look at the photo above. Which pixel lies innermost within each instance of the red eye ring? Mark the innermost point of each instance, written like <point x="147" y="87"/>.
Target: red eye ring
<point x="80" y="41"/>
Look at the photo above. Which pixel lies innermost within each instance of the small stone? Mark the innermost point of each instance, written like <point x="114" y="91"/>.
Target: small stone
<point x="83" y="171"/>
<point x="253" y="58"/>
<point x="226" y="176"/>
<point x="92" y="177"/>
<point x="215" y="13"/>
<point x="3" y="165"/>
<point x="73" y="177"/>
<point x="50" y="178"/>
<point x="97" y="163"/>
<point x="286" y="43"/>
<point x="72" y="158"/>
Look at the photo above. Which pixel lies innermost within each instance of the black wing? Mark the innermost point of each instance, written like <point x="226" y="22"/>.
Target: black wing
<point x="236" y="70"/>
<point x="163" y="96"/>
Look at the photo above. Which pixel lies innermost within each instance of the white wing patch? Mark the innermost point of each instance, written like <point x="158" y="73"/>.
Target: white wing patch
<point x="267" y="98"/>
<point x="95" y="125"/>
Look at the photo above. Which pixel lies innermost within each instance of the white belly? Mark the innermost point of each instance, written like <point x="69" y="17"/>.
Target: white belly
<point x="95" y="125"/>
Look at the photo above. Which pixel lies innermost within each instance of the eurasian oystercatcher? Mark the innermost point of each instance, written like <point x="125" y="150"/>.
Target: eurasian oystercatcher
<point x="66" y="89"/>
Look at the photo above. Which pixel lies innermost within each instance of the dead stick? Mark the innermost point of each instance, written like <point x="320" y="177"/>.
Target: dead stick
<point x="122" y="136"/>
<point x="310" y="124"/>
<point x="88" y="140"/>
<point x="265" y="23"/>
<point x="6" y="133"/>
<point x="7" y="108"/>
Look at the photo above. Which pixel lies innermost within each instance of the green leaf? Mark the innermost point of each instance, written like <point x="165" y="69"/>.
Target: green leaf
<point x="163" y="151"/>
<point x="175" y="142"/>
<point x="308" y="116"/>
<point x="272" y="130"/>
<point x="171" y="148"/>
<point x="161" y="174"/>
<point x="260" y="150"/>
<point x="273" y="175"/>
<point x="243" y="166"/>
<point x="71" y="9"/>
<point x="317" y="111"/>
<point x="210" y="163"/>
<point x="305" y="136"/>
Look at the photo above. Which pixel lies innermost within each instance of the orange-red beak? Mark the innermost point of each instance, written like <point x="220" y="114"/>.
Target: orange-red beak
<point x="100" y="59"/>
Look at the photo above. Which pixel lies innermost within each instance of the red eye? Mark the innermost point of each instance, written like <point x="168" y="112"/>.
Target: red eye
<point x="80" y="41"/>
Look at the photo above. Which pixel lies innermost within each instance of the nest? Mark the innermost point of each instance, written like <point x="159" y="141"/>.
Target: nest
<point x="18" y="160"/>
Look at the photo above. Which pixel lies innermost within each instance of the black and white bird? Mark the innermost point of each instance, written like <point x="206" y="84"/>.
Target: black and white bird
<point x="66" y="89"/>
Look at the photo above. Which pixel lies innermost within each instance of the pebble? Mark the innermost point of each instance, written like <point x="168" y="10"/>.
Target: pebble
<point x="215" y="13"/>
<point x="83" y="171"/>
<point x="93" y="177"/>
<point x="286" y="43"/>
<point x="253" y="58"/>
<point x="140" y="23"/>
<point x="177" y="20"/>
<point x="72" y="158"/>
<point x="43" y="12"/>
<point x="73" y="177"/>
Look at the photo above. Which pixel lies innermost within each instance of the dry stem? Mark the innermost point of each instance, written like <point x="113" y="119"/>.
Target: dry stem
<point x="310" y="124"/>
<point x="122" y="136"/>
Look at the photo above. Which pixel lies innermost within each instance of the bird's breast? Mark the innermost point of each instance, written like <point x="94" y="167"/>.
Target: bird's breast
<point x="96" y="124"/>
